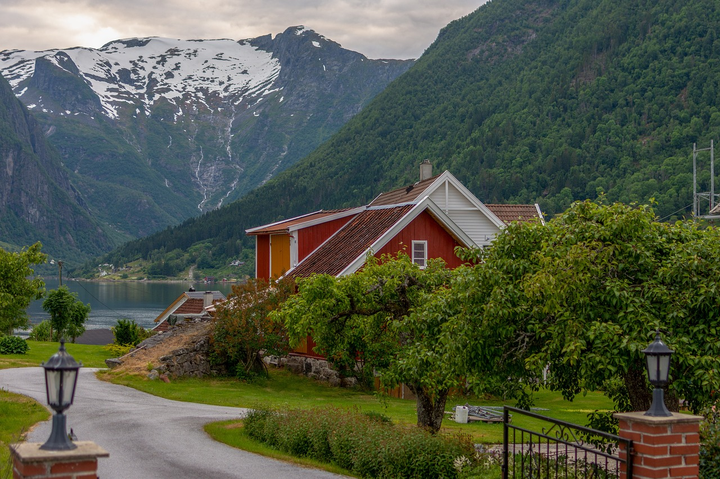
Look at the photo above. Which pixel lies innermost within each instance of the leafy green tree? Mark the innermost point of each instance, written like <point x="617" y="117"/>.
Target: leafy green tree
<point x="243" y="328"/>
<point x="583" y="295"/>
<point x="365" y="324"/>
<point x="18" y="286"/>
<point x="67" y="314"/>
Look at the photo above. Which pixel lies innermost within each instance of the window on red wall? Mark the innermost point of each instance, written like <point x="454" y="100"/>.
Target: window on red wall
<point x="419" y="253"/>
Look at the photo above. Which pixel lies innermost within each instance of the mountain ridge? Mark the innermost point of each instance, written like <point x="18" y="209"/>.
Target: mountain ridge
<point x="157" y="130"/>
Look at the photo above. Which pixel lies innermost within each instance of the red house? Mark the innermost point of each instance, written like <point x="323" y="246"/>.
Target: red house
<point x="427" y="219"/>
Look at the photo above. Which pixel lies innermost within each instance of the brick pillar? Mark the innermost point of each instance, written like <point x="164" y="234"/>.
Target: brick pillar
<point x="29" y="461"/>
<point x="665" y="447"/>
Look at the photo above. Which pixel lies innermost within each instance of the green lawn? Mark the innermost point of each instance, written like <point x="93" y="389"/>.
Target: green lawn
<point x="40" y="351"/>
<point x="286" y="390"/>
<point x="17" y="414"/>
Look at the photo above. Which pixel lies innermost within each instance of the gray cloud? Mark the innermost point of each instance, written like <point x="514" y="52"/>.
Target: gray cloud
<point x="376" y="28"/>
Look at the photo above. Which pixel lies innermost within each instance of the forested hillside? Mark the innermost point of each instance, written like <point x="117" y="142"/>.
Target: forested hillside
<point x="524" y="101"/>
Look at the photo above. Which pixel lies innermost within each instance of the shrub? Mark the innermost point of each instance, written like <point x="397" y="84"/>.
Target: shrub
<point x="710" y="444"/>
<point x="128" y="333"/>
<point x="244" y="331"/>
<point x="41" y="331"/>
<point x="118" y="350"/>
<point x="366" y="444"/>
<point x="13" y="345"/>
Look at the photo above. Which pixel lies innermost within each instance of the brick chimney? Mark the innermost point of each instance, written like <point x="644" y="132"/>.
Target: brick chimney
<point x="207" y="299"/>
<point x="425" y="170"/>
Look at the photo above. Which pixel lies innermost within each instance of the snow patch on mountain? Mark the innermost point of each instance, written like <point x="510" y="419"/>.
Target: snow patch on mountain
<point x="144" y="70"/>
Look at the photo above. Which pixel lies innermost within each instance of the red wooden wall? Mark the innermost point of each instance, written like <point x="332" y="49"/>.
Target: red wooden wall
<point x="262" y="257"/>
<point x="440" y="244"/>
<point x="312" y="237"/>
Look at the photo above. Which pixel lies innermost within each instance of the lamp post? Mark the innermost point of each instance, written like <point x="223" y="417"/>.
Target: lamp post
<point x="61" y="372"/>
<point x="657" y="356"/>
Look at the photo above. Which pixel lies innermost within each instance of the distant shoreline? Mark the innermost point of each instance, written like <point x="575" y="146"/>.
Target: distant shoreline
<point x="100" y="280"/>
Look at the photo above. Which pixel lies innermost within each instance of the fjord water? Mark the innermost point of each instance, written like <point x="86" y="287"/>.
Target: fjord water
<point x="141" y="301"/>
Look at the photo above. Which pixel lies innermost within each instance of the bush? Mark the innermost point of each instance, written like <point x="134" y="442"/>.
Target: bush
<point x="365" y="444"/>
<point x="41" y="331"/>
<point x="128" y="333"/>
<point x="117" y="350"/>
<point x="13" y="345"/>
<point x="710" y="444"/>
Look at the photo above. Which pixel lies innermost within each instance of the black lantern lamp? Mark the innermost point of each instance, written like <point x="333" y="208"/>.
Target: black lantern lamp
<point x="61" y="372"/>
<point x="657" y="355"/>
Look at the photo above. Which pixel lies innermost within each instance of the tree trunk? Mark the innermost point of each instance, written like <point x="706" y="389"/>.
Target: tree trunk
<point x="640" y="394"/>
<point x="430" y="412"/>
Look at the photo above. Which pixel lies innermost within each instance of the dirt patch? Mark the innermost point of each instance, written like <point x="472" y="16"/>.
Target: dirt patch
<point x="148" y="354"/>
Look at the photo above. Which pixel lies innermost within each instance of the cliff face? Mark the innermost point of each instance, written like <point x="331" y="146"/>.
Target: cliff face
<point x="37" y="200"/>
<point x="154" y="130"/>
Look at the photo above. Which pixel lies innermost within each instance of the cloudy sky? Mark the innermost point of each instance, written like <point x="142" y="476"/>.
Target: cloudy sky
<point x="376" y="28"/>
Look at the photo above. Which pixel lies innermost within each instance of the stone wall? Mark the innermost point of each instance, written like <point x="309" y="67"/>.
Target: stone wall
<point x="190" y="361"/>
<point x="314" y="368"/>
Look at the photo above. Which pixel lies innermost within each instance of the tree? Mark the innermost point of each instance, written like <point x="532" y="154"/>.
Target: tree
<point x="243" y="329"/>
<point x="18" y="286"/>
<point x="67" y="314"/>
<point x="366" y="323"/>
<point x="583" y="295"/>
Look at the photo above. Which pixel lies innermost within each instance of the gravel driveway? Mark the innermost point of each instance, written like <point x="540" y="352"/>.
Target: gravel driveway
<point x="150" y="437"/>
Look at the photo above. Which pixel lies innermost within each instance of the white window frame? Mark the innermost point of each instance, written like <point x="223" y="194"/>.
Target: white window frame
<point x="424" y="258"/>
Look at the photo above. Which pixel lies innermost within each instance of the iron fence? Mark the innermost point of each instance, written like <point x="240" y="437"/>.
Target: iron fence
<point x="562" y="450"/>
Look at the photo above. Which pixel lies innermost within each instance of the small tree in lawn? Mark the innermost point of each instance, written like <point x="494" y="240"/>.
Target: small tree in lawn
<point x="367" y="322"/>
<point x="67" y="314"/>
<point x="243" y="329"/>
<point x="18" y="286"/>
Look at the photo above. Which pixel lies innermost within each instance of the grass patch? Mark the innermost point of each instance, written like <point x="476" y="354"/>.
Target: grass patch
<point x="17" y="415"/>
<point x="89" y="355"/>
<point x="232" y="433"/>
<point x="287" y="390"/>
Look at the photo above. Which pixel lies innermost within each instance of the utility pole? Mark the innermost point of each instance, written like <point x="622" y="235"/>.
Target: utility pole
<point x="703" y="195"/>
<point x="60" y="265"/>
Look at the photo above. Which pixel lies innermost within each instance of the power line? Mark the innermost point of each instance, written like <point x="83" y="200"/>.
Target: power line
<point x="678" y="211"/>
<point x="119" y="315"/>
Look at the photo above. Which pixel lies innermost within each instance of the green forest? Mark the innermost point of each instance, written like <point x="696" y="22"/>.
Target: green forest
<point x="538" y="101"/>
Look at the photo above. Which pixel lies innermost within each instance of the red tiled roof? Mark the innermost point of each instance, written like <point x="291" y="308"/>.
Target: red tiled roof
<point x="191" y="306"/>
<point x="350" y="241"/>
<point x="510" y="213"/>
<point x="405" y="194"/>
<point x="283" y="226"/>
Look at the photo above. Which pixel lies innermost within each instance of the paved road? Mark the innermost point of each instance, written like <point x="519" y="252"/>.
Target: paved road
<point x="150" y="437"/>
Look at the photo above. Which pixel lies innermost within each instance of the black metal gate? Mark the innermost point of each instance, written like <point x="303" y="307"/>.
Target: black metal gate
<point x="562" y="450"/>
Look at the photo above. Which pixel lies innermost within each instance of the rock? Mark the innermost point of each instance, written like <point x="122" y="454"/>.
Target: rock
<point x="112" y="363"/>
<point x="349" y="382"/>
<point x="152" y="375"/>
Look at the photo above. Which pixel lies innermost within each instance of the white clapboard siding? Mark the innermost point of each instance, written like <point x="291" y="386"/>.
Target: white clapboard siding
<point x="476" y="225"/>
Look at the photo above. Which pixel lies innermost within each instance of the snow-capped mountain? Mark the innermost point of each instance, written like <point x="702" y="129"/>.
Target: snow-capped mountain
<point x="147" y="70"/>
<point x="155" y="130"/>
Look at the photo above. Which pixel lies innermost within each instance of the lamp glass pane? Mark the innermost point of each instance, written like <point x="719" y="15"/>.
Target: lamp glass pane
<point x="652" y="367"/>
<point x="68" y="386"/>
<point x="664" y="366"/>
<point x="52" y="383"/>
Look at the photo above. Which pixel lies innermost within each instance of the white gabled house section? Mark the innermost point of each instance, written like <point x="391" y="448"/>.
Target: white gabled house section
<point x="424" y="204"/>
<point x="465" y="209"/>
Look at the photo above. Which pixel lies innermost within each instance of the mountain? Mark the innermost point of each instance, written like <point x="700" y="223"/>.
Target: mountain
<point x="38" y="202"/>
<point x="156" y="130"/>
<point x="525" y="101"/>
